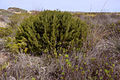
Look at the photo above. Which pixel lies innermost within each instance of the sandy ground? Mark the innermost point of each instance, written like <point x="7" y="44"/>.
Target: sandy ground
<point x="3" y="58"/>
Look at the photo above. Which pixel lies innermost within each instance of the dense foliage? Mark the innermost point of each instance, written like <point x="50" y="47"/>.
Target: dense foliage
<point x="51" y="32"/>
<point x="4" y="32"/>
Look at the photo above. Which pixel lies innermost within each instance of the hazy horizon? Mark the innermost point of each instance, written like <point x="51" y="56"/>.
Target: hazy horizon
<point x="67" y="5"/>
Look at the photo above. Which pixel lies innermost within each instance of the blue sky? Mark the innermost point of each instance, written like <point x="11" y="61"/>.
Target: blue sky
<point x="64" y="5"/>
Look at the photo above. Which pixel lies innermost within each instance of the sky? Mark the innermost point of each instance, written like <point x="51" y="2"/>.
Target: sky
<point x="64" y="5"/>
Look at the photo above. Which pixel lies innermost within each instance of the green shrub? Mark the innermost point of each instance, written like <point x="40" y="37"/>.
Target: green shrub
<point x="51" y="32"/>
<point x="4" y="32"/>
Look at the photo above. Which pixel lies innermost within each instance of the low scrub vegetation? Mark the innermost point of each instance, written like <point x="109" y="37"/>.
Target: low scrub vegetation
<point x="4" y="32"/>
<point x="61" y="46"/>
